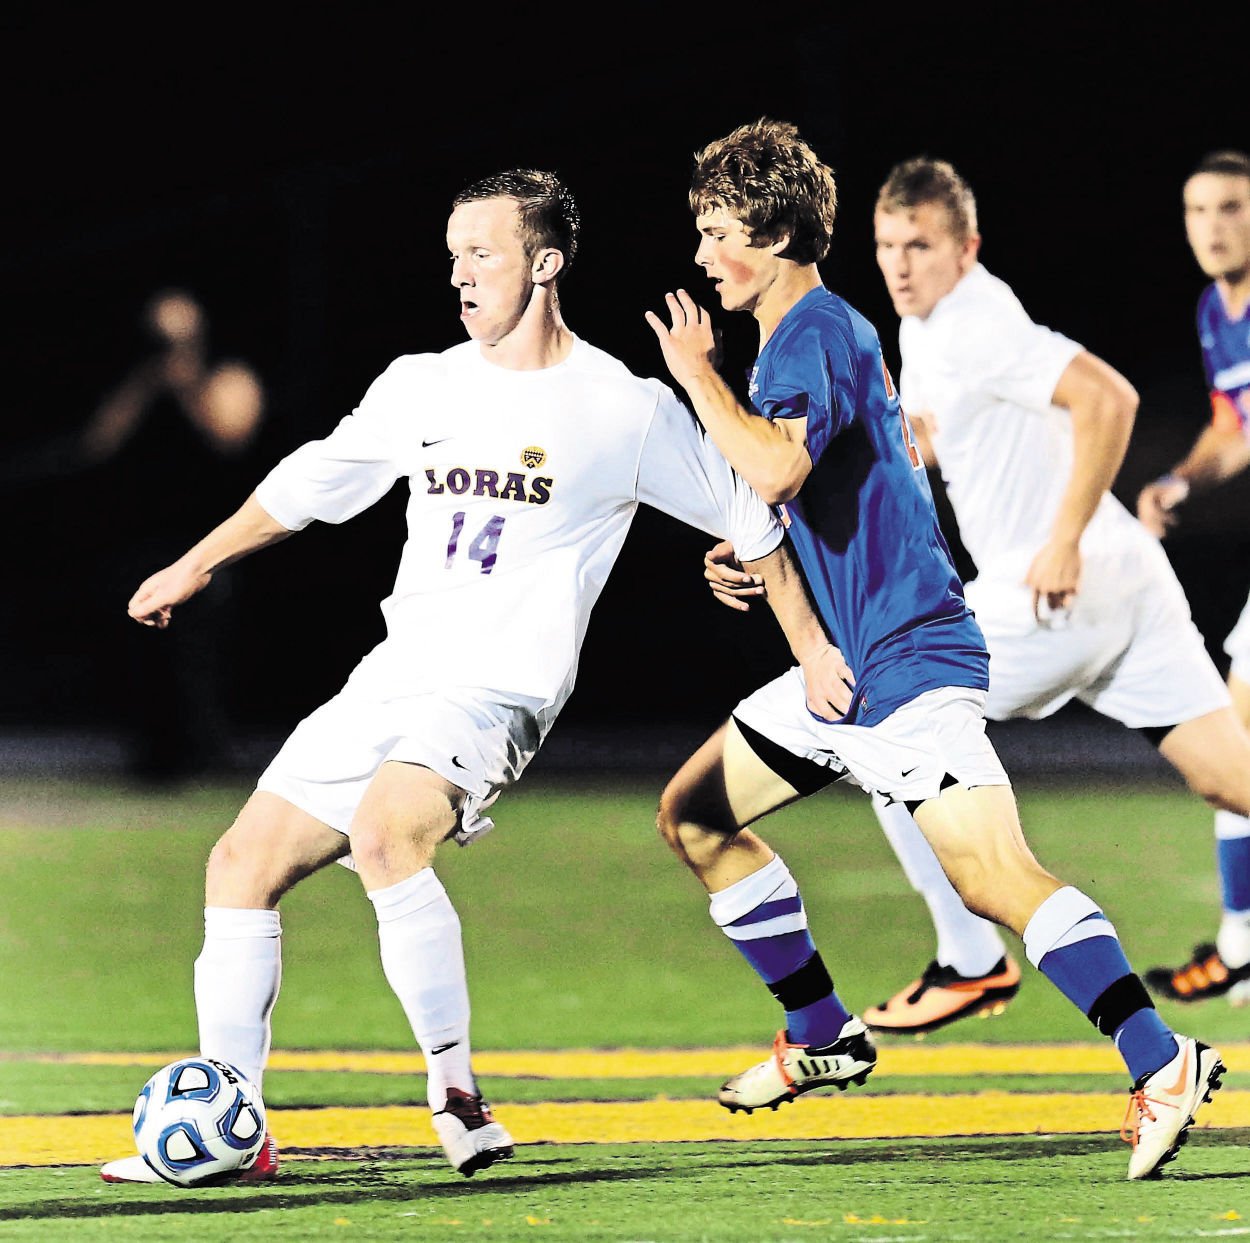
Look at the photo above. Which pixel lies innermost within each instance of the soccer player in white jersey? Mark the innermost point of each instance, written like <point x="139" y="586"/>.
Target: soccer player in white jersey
<point x="1075" y="598"/>
<point x="527" y="451"/>
<point x="1217" y="223"/>
<point x="825" y="438"/>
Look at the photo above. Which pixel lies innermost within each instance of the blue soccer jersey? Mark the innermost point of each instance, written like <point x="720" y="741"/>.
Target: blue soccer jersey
<point x="1226" y="360"/>
<point x="864" y="524"/>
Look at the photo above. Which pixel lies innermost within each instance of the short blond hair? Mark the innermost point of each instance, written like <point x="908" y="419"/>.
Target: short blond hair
<point x="922" y="180"/>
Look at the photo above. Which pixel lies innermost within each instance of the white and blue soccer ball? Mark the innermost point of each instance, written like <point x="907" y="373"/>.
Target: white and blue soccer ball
<point x="198" y="1119"/>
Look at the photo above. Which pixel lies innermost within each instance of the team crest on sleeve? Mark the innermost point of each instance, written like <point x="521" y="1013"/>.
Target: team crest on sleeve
<point x="532" y="457"/>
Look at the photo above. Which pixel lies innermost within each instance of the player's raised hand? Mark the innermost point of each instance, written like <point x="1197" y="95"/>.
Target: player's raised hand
<point x="688" y="342"/>
<point x="1157" y="502"/>
<point x="729" y="582"/>
<point x="153" y="603"/>
<point x="1055" y="576"/>
<point x="830" y="683"/>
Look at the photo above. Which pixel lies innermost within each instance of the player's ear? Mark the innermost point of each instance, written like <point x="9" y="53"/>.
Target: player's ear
<point x="968" y="256"/>
<point x="780" y="246"/>
<point x="546" y="266"/>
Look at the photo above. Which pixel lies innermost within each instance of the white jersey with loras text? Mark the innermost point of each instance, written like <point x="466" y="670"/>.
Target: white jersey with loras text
<point x="986" y="373"/>
<point x="523" y="485"/>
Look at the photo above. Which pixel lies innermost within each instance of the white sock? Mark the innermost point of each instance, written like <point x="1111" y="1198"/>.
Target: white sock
<point x="1233" y="939"/>
<point x="966" y="942"/>
<point x="236" y="983"/>
<point x="422" y="956"/>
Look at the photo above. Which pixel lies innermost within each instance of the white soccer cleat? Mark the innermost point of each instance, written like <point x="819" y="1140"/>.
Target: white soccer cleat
<point x="796" y="1068"/>
<point x="1161" y="1106"/>
<point x="129" y="1170"/>
<point x="470" y="1136"/>
<point x="136" y="1170"/>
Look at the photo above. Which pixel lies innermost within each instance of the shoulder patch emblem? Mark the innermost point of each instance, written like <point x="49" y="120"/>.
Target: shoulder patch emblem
<point x="533" y="457"/>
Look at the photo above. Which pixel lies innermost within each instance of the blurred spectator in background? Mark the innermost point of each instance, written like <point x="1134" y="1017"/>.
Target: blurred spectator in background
<point x="177" y="428"/>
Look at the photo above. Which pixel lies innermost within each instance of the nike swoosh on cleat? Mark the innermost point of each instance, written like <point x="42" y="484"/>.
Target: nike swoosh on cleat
<point x="1182" y="1079"/>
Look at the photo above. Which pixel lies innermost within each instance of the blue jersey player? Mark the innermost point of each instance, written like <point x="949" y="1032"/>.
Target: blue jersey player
<point x="827" y="442"/>
<point x="1217" y="223"/>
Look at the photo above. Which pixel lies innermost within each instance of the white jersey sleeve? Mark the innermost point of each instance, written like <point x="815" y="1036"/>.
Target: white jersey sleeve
<point x="334" y="479"/>
<point x="682" y="473"/>
<point x="1013" y="359"/>
<point x="988" y="373"/>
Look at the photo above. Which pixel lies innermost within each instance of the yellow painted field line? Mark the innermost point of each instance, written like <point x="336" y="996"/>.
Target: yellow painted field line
<point x="89" y="1140"/>
<point x="894" y="1059"/>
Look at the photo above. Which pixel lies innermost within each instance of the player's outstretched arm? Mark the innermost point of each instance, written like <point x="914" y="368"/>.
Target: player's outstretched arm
<point x="1218" y="454"/>
<point x="248" y="529"/>
<point x="1103" y="405"/>
<point x="771" y="456"/>
<point x="829" y="678"/>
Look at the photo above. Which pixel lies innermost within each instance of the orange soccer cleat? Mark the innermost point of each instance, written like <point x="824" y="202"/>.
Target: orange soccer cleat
<point x="1206" y="974"/>
<point x="941" y="995"/>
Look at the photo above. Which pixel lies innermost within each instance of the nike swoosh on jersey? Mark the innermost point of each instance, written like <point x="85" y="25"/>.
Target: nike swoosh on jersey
<point x="425" y="444"/>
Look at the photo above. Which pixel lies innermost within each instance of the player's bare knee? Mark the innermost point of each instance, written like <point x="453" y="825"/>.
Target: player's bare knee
<point x="1234" y="799"/>
<point x="1222" y="789"/>
<point x="237" y="875"/>
<point x="701" y="844"/>
<point x="394" y="846"/>
<point x="668" y="820"/>
<point x="694" y="844"/>
<point x="377" y="848"/>
<point x="984" y="880"/>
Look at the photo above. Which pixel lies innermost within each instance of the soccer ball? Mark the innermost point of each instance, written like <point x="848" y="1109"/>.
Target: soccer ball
<point x="199" y="1119"/>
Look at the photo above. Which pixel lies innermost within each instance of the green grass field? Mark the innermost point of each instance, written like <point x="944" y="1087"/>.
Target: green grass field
<point x="581" y="934"/>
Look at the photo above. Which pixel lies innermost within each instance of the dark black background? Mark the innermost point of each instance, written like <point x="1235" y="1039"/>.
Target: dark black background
<point x="296" y="178"/>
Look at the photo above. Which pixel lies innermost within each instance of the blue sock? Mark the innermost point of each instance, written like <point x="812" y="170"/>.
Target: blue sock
<point x="1233" y="856"/>
<point x="1075" y="946"/>
<point x="764" y="917"/>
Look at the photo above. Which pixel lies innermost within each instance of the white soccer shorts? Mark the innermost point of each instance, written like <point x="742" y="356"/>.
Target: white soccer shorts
<point x="1128" y="647"/>
<point x="905" y="757"/>
<point x="479" y="740"/>
<point x="1237" y="645"/>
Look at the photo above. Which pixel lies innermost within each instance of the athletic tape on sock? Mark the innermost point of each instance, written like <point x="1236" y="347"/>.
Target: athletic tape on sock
<point x="809" y="984"/>
<point x="1118" y="1002"/>
<point x="773" y="880"/>
<point x="1064" y="909"/>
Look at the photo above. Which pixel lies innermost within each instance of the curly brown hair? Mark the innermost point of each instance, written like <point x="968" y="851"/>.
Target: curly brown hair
<point x="770" y="179"/>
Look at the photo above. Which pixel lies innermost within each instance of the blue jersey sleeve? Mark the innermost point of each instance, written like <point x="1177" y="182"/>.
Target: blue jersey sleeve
<point x="1206" y="336"/>
<point x="812" y="379"/>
